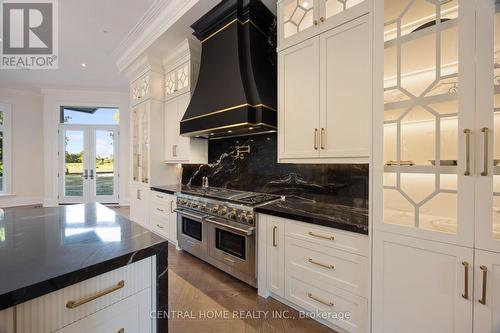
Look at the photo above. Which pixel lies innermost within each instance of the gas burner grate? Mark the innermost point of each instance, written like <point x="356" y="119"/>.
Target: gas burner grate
<point x="258" y="198"/>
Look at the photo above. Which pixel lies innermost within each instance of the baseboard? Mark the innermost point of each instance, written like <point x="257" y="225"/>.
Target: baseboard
<point x="15" y="201"/>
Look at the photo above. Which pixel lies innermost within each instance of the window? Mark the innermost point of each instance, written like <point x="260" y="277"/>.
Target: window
<point x="89" y="115"/>
<point x="5" y="148"/>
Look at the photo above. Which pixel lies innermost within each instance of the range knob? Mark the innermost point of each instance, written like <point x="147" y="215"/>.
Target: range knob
<point x="215" y="209"/>
<point x="204" y="207"/>
<point x="233" y="215"/>
<point x="194" y="205"/>
<point x="243" y="217"/>
<point x="250" y="219"/>
<point x="223" y="211"/>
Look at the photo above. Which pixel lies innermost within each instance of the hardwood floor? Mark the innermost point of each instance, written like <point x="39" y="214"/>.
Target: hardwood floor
<point x="199" y="291"/>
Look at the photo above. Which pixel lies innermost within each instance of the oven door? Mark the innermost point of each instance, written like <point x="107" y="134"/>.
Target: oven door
<point x="192" y="233"/>
<point x="232" y="244"/>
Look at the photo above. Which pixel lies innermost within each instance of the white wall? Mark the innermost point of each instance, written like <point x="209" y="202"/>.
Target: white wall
<point x="27" y="148"/>
<point x="52" y="100"/>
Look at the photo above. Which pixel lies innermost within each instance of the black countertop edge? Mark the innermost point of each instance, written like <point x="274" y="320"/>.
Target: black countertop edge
<point x="269" y="210"/>
<point x="168" y="189"/>
<point x="45" y="287"/>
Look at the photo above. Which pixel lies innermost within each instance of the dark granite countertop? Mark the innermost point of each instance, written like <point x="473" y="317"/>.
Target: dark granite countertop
<point x="329" y="215"/>
<point x="169" y="189"/>
<point x="46" y="249"/>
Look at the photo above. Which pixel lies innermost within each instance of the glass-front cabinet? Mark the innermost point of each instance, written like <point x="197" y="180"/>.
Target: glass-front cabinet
<point x="488" y="127"/>
<point x="140" y="143"/>
<point x="302" y="19"/>
<point x="428" y="122"/>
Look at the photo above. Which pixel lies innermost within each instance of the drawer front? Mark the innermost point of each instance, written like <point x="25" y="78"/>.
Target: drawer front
<point x="334" y="238"/>
<point x="128" y="315"/>
<point x="159" y="224"/>
<point x="49" y="313"/>
<point x="160" y="197"/>
<point x="333" y="304"/>
<point x="160" y="209"/>
<point x="321" y="265"/>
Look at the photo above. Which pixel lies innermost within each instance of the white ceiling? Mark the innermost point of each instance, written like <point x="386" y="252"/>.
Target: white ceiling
<point x="82" y="40"/>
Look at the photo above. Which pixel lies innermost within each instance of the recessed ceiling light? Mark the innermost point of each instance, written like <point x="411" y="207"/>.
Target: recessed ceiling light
<point x="250" y="128"/>
<point x="230" y="131"/>
<point x="84" y="65"/>
<point x="211" y="133"/>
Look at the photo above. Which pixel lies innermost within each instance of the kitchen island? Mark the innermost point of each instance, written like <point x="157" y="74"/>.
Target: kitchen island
<point x="80" y="268"/>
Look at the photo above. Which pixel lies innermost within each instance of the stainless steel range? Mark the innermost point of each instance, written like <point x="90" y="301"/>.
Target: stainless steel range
<point x="218" y="225"/>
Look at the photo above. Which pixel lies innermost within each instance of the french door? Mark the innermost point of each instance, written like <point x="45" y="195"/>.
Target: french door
<point x="88" y="164"/>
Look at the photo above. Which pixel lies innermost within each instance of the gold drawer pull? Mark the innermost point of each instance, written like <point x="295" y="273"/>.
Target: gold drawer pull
<point x="77" y="303"/>
<point x="274" y="236"/>
<point x="466" y="280"/>
<point x="321" y="236"/>
<point x="317" y="299"/>
<point x="482" y="300"/>
<point x="160" y="226"/>
<point x="320" y="264"/>
<point x="229" y="260"/>
<point x="316" y="139"/>
<point x="159" y="209"/>
<point x="322" y="139"/>
<point x="159" y="196"/>
<point x="171" y="206"/>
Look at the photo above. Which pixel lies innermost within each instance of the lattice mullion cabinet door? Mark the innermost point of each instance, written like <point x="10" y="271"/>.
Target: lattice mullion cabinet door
<point x="183" y="77"/>
<point x="428" y="119"/>
<point x="297" y="21"/>
<point x="170" y="85"/>
<point x="488" y="127"/>
<point x="333" y="13"/>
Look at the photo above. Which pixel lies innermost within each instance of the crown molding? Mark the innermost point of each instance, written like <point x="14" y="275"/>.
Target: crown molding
<point x="188" y="49"/>
<point x="157" y="19"/>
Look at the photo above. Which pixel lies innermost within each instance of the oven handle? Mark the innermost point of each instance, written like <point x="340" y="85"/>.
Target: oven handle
<point x="190" y="215"/>
<point x="247" y="232"/>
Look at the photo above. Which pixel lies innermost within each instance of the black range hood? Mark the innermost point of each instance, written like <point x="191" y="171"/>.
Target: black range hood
<point x="236" y="89"/>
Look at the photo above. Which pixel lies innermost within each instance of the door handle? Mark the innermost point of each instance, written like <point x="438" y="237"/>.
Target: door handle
<point x="274" y="236"/>
<point x="322" y="139"/>
<point x="482" y="300"/>
<point x="466" y="280"/>
<point x="174" y="150"/>
<point x="85" y="174"/>
<point x="467" y="152"/>
<point x="91" y="174"/>
<point x="172" y="206"/>
<point x="316" y="139"/>
<point x="485" y="131"/>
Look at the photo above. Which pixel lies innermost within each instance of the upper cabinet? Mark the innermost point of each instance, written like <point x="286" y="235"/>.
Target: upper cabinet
<point x="148" y="85"/>
<point x="302" y="19"/>
<point x="324" y="105"/>
<point x="181" y="69"/>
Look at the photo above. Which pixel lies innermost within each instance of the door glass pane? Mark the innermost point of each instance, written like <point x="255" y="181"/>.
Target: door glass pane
<point x="298" y="15"/>
<point x="104" y="162"/>
<point x="73" y="163"/>
<point x="496" y="124"/>
<point x="421" y="114"/>
<point x="144" y="167"/>
<point x="334" y="7"/>
<point x="135" y="144"/>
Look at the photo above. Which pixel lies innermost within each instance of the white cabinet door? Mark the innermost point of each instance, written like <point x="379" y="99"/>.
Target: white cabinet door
<point x="421" y="286"/>
<point x="488" y="126"/>
<point x="345" y="79"/>
<point x="183" y="150"/>
<point x="139" y="204"/>
<point x="297" y="21"/>
<point x="276" y="255"/>
<point x="129" y="315"/>
<point x="487" y="292"/>
<point x="171" y="129"/>
<point x="298" y="90"/>
<point x="172" y="221"/>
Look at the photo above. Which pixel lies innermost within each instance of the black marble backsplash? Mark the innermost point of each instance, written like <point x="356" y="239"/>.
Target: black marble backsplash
<point x="258" y="170"/>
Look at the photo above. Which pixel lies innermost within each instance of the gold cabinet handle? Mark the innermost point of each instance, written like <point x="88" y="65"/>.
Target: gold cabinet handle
<point x="316" y="138"/>
<point x="466" y="280"/>
<point x="77" y="303"/>
<point x="485" y="131"/>
<point x="160" y="210"/>
<point x="322" y="19"/>
<point x="320" y="264"/>
<point x="174" y="150"/>
<point x="159" y="196"/>
<point x="171" y="206"/>
<point x="274" y="236"/>
<point x="467" y="152"/>
<point x="317" y="299"/>
<point x="482" y="300"/>
<point x="315" y="22"/>
<point x="160" y="226"/>
<point x="322" y="139"/>
<point x="321" y="236"/>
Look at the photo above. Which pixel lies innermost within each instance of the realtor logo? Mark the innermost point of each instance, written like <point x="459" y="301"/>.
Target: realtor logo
<point x="29" y="34"/>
